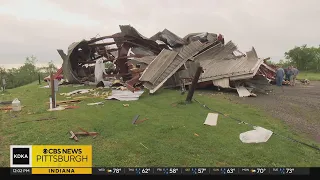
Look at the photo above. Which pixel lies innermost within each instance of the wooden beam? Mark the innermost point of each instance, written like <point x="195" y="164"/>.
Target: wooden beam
<point x="194" y="84"/>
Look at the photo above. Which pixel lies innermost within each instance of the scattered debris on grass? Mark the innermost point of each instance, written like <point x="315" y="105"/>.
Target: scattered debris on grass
<point x="42" y="119"/>
<point x="5" y="102"/>
<point x="211" y="119"/>
<point x="79" y="91"/>
<point x="8" y="108"/>
<point x="135" y="118"/>
<point x="59" y="108"/>
<point x="125" y="95"/>
<point x="83" y="133"/>
<point x="97" y="103"/>
<point x="125" y="105"/>
<point x="73" y="136"/>
<point x="140" y="121"/>
<point x="144" y="146"/>
<point x="47" y="86"/>
<point x="67" y="102"/>
<point x="196" y="134"/>
<point x="72" y="107"/>
<point x="258" y="135"/>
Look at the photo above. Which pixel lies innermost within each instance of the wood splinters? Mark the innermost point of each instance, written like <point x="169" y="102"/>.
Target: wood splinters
<point x="73" y="136"/>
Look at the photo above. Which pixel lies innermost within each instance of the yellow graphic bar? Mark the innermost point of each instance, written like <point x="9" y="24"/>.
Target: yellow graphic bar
<point x="61" y="170"/>
<point x="61" y="156"/>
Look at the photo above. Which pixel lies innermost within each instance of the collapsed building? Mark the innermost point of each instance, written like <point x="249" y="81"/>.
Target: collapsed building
<point x="166" y="60"/>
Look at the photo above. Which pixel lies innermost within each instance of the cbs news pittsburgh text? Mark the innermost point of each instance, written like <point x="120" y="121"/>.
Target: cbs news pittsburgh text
<point x="50" y="159"/>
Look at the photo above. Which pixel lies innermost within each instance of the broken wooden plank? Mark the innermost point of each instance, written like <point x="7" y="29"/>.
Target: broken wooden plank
<point x="43" y="119"/>
<point x="140" y="121"/>
<point x="73" y="136"/>
<point x="67" y="101"/>
<point x="8" y="108"/>
<point x="72" y="107"/>
<point x="135" y="119"/>
<point x="84" y="133"/>
<point x="84" y="130"/>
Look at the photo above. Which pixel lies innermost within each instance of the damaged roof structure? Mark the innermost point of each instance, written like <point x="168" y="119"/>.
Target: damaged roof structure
<point x="166" y="60"/>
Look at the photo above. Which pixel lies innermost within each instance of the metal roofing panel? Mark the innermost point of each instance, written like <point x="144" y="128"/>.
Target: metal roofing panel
<point x="171" y="38"/>
<point x="217" y="52"/>
<point x="189" y="50"/>
<point x="158" y="66"/>
<point x="217" y="69"/>
<point x="185" y="53"/>
<point x="146" y="59"/>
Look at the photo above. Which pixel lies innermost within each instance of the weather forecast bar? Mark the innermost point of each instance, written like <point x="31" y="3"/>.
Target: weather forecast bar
<point x="164" y="171"/>
<point x="200" y="171"/>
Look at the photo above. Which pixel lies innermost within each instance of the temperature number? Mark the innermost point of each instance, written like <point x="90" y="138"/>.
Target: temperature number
<point x="116" y="170"/>
<point x="201" y="170"/>
<point x="261" y="170"/>
<point x="289" y="170"/>
<point x="145" y="170"/>
<point x="173" y="170"/>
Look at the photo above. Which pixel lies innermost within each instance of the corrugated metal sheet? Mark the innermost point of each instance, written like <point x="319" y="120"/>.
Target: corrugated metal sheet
<point x="217" y="52"/>
<point x="158" y="66"/>
<point x="211" y="37"/>
<point x="186" y="74"/>
<point x="131" y="31"/>
<point x="241" y="68"/>
<point x="168" y="37"/>
<point x="142" y="51"/>
<point x="145" y="60"/>
<point x="185" y="53"/>
<point x="191" y="49"/>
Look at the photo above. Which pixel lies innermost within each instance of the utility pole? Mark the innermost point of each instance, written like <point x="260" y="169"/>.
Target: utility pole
<point x="194" y="84"/>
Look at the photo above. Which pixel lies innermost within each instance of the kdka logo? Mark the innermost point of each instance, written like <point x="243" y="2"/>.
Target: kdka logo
<point x="20" y="156"/>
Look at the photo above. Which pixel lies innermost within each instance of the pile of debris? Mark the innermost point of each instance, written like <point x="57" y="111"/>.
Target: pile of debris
<point x="166" y="60"/>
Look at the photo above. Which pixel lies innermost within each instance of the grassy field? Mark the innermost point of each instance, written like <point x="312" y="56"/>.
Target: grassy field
<point x="168" y="134"/>
<point x="312" y="76"/>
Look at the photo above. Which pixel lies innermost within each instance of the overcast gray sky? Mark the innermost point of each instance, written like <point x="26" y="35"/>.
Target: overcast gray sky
<point x="39" y="27"/>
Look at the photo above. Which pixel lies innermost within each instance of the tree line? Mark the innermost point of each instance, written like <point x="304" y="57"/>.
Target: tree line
<point x="25" y="74"/>
<point x="303" y="57"/>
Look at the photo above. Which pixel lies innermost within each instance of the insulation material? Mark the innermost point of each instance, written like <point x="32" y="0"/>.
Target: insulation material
<point x="258" y="135"/>
<point x="99" y="70"/>
<point x="212" y="119"/>
<point x="242" y="91"/>
<point x="224" y="83"/>
<point x="79" y="91"/>
<point x="125" y="95"/>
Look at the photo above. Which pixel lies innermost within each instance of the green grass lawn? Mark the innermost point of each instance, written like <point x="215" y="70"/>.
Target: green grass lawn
<point x="312" y="76"/>
<point x="168" y="133"/>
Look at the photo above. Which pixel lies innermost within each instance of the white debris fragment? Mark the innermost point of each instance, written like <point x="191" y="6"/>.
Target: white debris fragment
<point x="125" y="95"/>
<point x="212" y="119"/>
<point x="97" y="103"/>
<point x="258" y="135"/>
<point x="242" y="91"/>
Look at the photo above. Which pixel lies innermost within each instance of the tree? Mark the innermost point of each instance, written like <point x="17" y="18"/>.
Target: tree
<point x="305" y="58"/>
<point x="51" y="67"/>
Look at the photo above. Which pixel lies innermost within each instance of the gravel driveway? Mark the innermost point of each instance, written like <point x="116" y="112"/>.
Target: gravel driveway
<point x="298" y="107"/>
